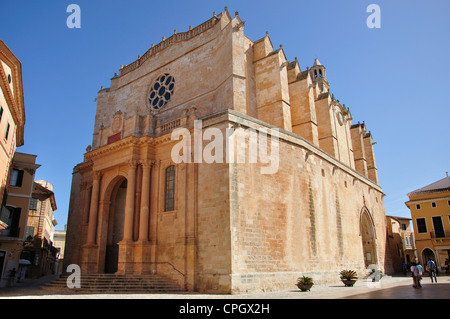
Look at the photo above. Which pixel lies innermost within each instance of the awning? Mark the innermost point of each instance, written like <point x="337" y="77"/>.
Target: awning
<point x="24" y="262"/>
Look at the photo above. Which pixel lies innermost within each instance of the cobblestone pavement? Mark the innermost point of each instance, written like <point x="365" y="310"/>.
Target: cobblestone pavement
<point x="387" y="288"/>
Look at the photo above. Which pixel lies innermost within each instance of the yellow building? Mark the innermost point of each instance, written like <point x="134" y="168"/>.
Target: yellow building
<point x="15" y="213"/>
<point x="430" y="212"/>
<point x="59" y="241"/>
<point x="401" y="241"/>
<point x="12" y="116"/>
<point x="39" y="248"/>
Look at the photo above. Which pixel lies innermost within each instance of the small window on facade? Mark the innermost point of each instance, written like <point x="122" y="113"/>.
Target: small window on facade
<point x="33" y="204"/>
<point x="1" y="114"/>
<point x="169" y="192"/>
<point x="418" y="206"/>
<point x="403" y="226"/>
<point x="433" y="204"/>
<point x="9" y="78"/>
<point x="16" y="178"/>
<point x="421" y="225"/>
<point x="7" y="132"/>
<point x="29" y="233"/>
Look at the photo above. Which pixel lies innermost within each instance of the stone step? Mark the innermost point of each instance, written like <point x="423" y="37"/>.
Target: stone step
<point x="117" y="280"/>
<point x="111" y="283"/>
<point x="104" y="286"/>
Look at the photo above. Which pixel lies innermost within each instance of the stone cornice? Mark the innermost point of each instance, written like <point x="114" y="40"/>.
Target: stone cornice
<point x="90" y="156"/>
<point x="241" y="119"/>
<point x="176" y="37"/>
<point x="116" y="146"/>
<point x="248" y="121"/>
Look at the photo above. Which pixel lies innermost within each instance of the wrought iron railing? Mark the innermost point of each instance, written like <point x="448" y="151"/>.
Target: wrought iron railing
<point x="444" y="233"/>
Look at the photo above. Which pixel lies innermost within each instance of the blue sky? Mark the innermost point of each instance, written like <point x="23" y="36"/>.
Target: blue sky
<point x="395" y="78"/>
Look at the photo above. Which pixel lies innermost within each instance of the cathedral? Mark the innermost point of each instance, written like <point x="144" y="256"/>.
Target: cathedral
<point x="225" y="226"/>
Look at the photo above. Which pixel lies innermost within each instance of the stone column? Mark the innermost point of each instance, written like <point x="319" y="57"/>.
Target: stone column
<point x="89" y="262"/>
<point x="154" y="212"/>
<point x="130" y="199"/>
<point x="142" y="253"/>
<point x="145" y="203"/>
<point x="94" y="208"/>
<point x="126" y="246"/>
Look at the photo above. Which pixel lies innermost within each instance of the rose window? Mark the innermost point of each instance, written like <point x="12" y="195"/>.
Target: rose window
<point x="161" y="91"/>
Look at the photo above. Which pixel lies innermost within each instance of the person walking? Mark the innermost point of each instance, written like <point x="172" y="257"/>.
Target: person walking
<point x="12" y="277"/>
<point x="415" y="275"/>
<point x="431" y="268"/>
<point x="420" y="271"/>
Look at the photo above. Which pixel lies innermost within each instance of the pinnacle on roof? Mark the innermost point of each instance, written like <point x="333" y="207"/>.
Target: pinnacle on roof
<point x="316" y="62"/>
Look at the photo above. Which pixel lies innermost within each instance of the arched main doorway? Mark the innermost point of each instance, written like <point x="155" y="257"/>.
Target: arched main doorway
<point x="368" y="238"/>
<point x="115" y="225"/>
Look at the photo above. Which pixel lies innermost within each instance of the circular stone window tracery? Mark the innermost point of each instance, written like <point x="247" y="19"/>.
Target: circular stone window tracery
<point x="161" y="91"/>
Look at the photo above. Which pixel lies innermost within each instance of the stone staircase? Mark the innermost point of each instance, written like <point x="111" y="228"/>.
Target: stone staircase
<point x="114" y="284"/>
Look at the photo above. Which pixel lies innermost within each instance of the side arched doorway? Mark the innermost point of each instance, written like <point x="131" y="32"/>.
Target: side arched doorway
<point x="115" y="224"/>
<point x="368" y="237"/>
<point x="427" y="254"/>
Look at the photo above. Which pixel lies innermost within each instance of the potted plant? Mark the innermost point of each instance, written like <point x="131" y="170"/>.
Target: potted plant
<point x="304" y="283"/>
<point x="348" y="277"/>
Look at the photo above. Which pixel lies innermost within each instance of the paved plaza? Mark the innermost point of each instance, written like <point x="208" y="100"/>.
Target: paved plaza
<point x="395" y="287"/>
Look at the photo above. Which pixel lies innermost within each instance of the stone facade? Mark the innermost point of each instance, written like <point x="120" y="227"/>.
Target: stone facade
<point x="224" y="226"/>
<point x="39" y="248"/>
<point x="401" y="242"/>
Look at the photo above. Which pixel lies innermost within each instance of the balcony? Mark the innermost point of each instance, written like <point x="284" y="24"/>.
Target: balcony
<point x="441" y="237"/>
<point x="444" y="233"/>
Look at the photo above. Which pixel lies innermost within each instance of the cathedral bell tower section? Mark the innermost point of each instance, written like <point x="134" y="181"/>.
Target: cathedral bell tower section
<point x="319" y="78"/>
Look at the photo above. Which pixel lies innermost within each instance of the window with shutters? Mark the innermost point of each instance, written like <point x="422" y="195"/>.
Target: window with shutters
<point x="16" y="178"/>
<point x="33" y="204"/>
<point x="421" y="225"/>
<point x="29" y="233"/>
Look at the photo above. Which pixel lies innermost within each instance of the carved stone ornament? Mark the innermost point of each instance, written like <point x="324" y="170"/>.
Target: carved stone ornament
<point x="116" y="122"/>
